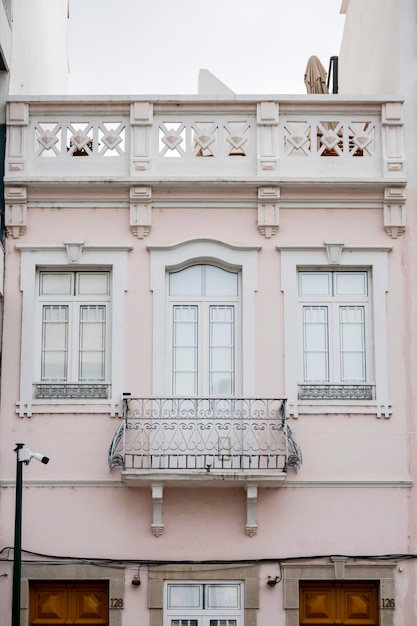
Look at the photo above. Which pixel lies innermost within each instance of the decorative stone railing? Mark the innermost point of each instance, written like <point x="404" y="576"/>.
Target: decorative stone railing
<point x="191" y="137"/>
<point x="277" y="150"/>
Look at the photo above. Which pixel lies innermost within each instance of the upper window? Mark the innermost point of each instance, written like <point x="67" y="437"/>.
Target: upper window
<point x="74" y="314"/>
<point x="203" y="318"/>
<point x="204" y="306"/>
<point x="203" y="604"/>
<point x="334" y="313"/>
<point x="73" y="303"/>
<point x="335" y="329"/>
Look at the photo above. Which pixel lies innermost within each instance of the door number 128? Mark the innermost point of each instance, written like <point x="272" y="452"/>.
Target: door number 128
<point x="116" y="603"/>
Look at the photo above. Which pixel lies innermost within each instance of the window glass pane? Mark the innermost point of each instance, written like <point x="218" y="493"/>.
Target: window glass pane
<point x="222" y="359"/>
<point x="203" y="280"/>
<point x="93" y="284"/>
<point x="223" y="597"/>
<point x="351" y="284"/>
<point x="222" y="350"/>
<point x="184" y="622"/>
<point x="56" y="284"/>
<point x="92" y="342"/>
<point x="54" y="366"/>
<point x="223" y="622"/>
<point x="315" y="337"/>
<point x="221" y="384"/>
<point x="187" y="282"/>
<point x="352" y="343"/>
<point x="353" y="367"/>
<point x="184" y="384"/>
<point x="184" y="359"/>
<point x="185" y="351"/>
<point x="54" y="343"/>
<point x="315" y="283"/>
<point x="220" y="282"/>
<point x="315" y="367"/>
<point x="185" y="597"/>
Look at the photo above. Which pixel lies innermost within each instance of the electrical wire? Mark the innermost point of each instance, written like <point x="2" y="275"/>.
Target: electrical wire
<point x="121" y="562"/>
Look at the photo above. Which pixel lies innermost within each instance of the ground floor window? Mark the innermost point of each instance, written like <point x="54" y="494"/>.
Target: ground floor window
<point x="69" y="603"/>
<point x="203" y="604"/>
<point x="203" y="595"/>
<point x="339" y="603"/>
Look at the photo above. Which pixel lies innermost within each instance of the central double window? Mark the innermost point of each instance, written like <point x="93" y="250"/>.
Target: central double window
<point x="205" y="320"/>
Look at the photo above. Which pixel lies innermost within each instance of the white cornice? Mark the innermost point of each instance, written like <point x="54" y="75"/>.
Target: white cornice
<point x="316" y="484"/>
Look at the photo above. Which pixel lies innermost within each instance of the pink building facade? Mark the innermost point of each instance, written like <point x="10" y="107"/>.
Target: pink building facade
<point x="209" y="307"/>
<point x="207" y="328"/>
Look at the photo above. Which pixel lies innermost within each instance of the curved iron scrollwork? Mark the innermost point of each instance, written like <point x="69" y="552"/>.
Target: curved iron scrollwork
<point x="116" y="451"/>
<point x="196" y="433"/>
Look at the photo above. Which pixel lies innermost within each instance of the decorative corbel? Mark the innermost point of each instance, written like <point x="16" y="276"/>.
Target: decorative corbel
<point x="268" y="210"/>
<point x="394" y="211"/>
<point x="334" y="251"/>
<point x="251" y="502"/>
<point x="140" y="211"/>
<point x="74" y="251"/>
<point x="157" y="499"/>
<point x="15" y="218"/>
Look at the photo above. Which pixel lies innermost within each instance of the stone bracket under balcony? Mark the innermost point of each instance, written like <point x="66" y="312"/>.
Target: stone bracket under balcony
<point x="204" y="443"/>
<point x="221" y="480"/>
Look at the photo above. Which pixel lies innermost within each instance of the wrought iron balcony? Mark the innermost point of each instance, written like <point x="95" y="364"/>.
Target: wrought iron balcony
<point x="175" y="439"/>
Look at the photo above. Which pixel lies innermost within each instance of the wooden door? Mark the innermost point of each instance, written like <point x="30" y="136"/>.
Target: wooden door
<point x="345" y="604"/>
<point x="77" y="603"/>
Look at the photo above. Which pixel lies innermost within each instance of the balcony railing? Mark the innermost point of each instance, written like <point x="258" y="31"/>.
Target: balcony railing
<point x="161" y="138"/>
<point x="209" y="435"/>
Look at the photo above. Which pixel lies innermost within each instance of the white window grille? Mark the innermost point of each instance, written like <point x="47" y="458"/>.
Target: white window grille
<point x="74" y="309"/>
<point x="204" y="301"/>
<point x="203" y="604"/>
<point x="336" y="354"/>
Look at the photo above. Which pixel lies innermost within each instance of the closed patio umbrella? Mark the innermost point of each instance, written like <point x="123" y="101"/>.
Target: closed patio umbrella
<point x="315" y="76"/>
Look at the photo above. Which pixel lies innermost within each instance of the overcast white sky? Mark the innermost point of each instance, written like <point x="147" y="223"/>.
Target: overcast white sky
<point x="158" y="46"/>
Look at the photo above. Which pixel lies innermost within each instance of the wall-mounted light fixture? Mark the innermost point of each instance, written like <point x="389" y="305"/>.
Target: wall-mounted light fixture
<point x="136" y="579"/>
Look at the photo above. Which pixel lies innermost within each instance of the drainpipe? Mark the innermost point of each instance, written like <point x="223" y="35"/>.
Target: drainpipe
<point x="334" y="73"/>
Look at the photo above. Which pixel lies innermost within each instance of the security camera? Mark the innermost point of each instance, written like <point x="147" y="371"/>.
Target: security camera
<point x="25" y="456"/>
<point x="40" y="457"/>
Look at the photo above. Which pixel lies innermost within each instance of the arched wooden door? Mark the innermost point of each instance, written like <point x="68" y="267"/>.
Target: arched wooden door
<point x="80" y="603"/>
<point x="344" y="603"/>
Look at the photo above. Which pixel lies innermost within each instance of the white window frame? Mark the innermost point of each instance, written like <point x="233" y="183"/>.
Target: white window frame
<point x="111" y="257"/>
<point x="203" y="305"/>
<point x="333" y="303"/>
<point x="166" y="258"/>
<point x="375" y="261"/>
<point x="74" y="303"/>
<point x="201" y="614"/>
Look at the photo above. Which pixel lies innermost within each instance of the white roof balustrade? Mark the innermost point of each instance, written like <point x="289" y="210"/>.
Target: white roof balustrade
<point x="187" y="138"/>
